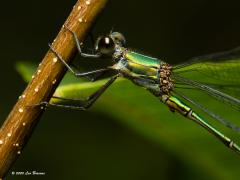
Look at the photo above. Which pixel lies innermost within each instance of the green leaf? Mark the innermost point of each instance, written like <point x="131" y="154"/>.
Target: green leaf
<point x="138" y="109"/>
<point x="25" y="69"/>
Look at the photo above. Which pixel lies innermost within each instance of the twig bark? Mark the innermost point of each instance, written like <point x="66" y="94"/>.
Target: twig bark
<point x="21" y="121"/>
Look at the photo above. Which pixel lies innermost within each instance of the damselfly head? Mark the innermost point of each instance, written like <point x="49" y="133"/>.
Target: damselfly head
<point x="105" y="45"/>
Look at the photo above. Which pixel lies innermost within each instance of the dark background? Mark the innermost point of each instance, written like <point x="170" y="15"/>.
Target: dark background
<point x="97" y="147"/>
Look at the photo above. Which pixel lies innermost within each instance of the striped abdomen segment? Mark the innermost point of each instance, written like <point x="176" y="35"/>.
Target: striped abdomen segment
<point x="176" y="105"/>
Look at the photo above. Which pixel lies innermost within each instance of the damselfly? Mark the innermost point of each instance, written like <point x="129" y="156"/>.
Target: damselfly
<point x="162" y="79"/>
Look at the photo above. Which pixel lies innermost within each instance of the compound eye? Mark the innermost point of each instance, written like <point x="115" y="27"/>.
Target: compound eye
<point x="105" y="45"/>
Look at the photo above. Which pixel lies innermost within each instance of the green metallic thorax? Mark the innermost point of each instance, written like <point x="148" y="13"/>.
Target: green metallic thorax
<point x="142" y="59"/>
<point x="141" y="66"/>
<point x="142" y="70"/>
<point x="147" y="72"/>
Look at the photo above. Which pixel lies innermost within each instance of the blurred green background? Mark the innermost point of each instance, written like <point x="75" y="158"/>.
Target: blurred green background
<point x="99" y="144"/>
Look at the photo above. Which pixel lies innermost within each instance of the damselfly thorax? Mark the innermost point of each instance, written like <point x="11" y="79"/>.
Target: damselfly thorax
<point x="147" y="72"/>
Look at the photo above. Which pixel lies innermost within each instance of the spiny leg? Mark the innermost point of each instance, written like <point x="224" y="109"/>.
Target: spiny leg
<point x="76" y="73"/>
<point x="85" y="104"/>
<point x="176" y="105"/>
<point x="96" y="55"/>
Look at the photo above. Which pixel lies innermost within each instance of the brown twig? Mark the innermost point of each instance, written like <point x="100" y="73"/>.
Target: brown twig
<point x="20" y="123"/>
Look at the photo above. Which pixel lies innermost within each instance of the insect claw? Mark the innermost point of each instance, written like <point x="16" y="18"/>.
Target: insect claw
<point x="68" y="29"/>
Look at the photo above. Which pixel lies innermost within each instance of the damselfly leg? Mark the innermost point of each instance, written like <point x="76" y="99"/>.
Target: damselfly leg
<point x="88" y="101"/>
<point x="78" y="44"/>
<point x="76" y="73"/>
<point x="81" y="104"/>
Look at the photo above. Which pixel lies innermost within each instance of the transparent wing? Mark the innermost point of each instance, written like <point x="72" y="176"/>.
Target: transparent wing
<point x="217" y="75"/>
<point x="209" y="112"/>
<point x="222" y="66"/>
<point x="219" y="95"/>
<point x="220" y="71"/>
